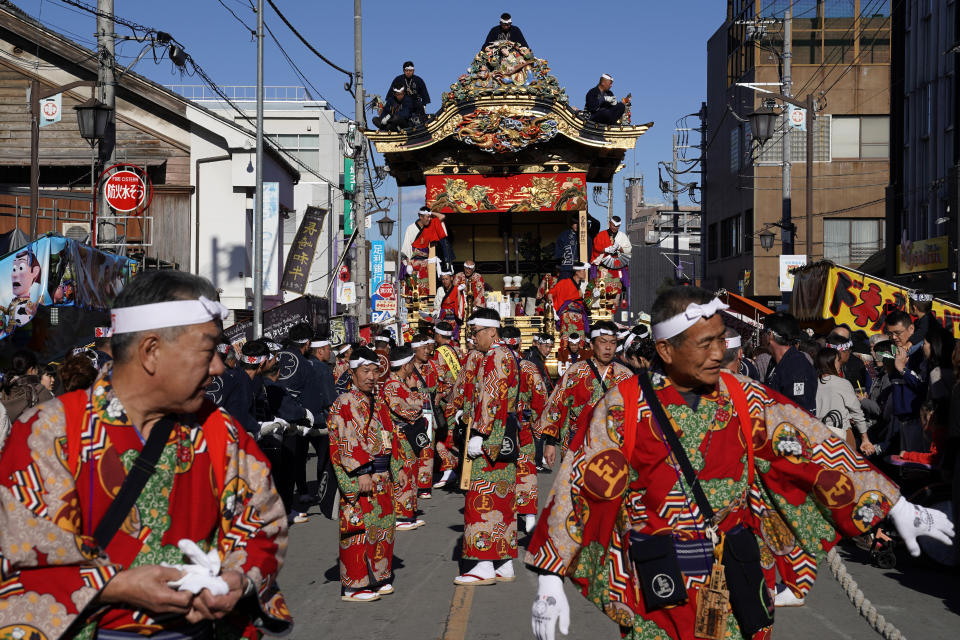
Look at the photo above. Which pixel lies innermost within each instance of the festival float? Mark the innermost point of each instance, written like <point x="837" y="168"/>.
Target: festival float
<point x="508" y="161"/>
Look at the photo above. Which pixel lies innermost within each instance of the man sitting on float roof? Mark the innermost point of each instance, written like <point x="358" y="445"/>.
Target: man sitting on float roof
<point x="505" y="31"/>
<point x="602" y="106"/>
<point x="397" y="110"/>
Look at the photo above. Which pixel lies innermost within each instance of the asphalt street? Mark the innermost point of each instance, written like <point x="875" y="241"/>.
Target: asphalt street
<point x="922" y="600"/>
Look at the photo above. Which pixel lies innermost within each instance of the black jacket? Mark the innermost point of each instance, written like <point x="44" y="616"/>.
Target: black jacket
<point x="513" y="34"/>
<point x="795" y="378"/>
<point x="597" y="99"/>
<point x="416" y="88"/>
<point x="399" y="109"/>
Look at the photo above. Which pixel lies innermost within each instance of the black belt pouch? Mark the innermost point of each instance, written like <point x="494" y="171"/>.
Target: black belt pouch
<point x="510" y="447"/>
<point x="749" y="597"/>
<point x="661" y="581"/>
<point x="416" y="434"/>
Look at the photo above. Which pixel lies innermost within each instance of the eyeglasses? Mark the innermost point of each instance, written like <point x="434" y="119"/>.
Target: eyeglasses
<point x="896" y="333"/>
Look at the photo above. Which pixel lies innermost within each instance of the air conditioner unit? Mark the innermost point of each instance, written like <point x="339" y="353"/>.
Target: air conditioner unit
<point x="79" y="231"/>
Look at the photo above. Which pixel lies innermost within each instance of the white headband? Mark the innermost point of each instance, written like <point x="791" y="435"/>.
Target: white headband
<point x="596" y="333"/>
<point x="629" y="340"/>
<point x="444" y="272"/>
<point x="160" y="315"/>
<point x="401" y="361"/>
<point x="422" y="343"/>
<point x="843" y="346"/>
<point x="484" y="322"/>
<point x="316" y="344"/>
<point x="252" y="359"/>
<point x="733" y="343"/>
<point x="540" y="340"/>
<point x="607" y="76"/>
<point x="502" y="21"/>
<point x="581" y="266"/>
<point x="381" y="339"/>
<point x="443" y="332"/>
<point x="224" y="348"/>
<point x="614" y="222"/>
<point x="917" y="296"/>
<point x="409" y="66"/>
<point x="342" y="350"/>
<point x="573" y="340"/>
<point x="469" y="264"/>
<point x="681" y="322"/>
<point x="359" y="362"/>
<point x="424" y="211"/>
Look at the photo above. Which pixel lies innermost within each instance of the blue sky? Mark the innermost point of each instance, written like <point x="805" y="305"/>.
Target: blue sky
<point x="655" y="50"/>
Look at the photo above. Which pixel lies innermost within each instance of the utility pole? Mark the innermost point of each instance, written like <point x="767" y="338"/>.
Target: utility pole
<point x="610" y="201"/>
<point x="359" y="204"/>
<point x="676" y="212"/>
<point x="786" y="232"/>
<point x="106" y="79"/>
<point x="399" y="229"/>
<point x="258" y="198"/>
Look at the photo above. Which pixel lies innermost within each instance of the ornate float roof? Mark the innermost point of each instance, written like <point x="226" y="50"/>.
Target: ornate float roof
<point x="506" y="115"/>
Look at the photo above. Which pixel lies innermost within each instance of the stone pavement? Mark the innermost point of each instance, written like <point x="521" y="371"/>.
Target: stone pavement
<point x="920" y="599"/>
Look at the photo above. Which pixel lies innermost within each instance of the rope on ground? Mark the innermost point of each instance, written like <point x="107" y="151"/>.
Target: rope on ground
<point x="859" y="600"/>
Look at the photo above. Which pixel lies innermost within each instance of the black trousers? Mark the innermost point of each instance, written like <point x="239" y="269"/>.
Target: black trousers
<point x="279" y="451"/>
<point x="609" y="114"/>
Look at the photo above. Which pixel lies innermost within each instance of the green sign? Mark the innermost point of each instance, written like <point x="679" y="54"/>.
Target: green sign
<point x="348" y="184"/>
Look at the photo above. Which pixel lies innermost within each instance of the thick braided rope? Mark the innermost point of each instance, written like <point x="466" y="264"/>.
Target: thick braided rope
<point x="860" y="601"/>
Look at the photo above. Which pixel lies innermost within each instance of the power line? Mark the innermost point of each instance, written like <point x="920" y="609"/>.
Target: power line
<point x="349" y="83"/>
<point x="250" y="30"/>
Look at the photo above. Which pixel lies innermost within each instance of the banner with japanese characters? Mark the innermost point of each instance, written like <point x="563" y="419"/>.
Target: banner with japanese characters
<point x="856" y="299"/>
<point x="296" y="273"/>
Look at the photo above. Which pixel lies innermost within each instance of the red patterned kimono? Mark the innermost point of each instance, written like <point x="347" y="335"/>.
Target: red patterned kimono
<point x="358" y="436"/>
<point x="451" y="306"/>
<point x="531" y="400"/>
<point x="447" y="363"/>
<point x="572" y="314"/>
<point x="427" y="376"/>
<point x="473" y="289"/>
<point x="405" y="405"/>
<point x="340" y="368"/>
<point x="61" y="468"/>
<point x="610" y="266"/>
<point x="808" y="485"/>
<point x="490" y="507"/>
<point x="433" y="232"/>
<point x="461" y="395"/>
<point x="572" y="401"/>
<point x="548" y="282"/>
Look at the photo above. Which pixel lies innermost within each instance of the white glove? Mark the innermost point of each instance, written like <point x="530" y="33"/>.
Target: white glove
<point x="309" y="416"/>
<point x="385" y="119"/>
<point x="268" y="428"/>
<point x="202" y="573"/>
<point x="475" y="446"/>
<point x="912" y="520"/>
<point x="458" y="415"/>
<point x="461" y="287"/>
<point x="550" y="605"/>
<point x="303" y="429"/>
<point x="610" y="99"/>
<point x="610" y="249"/>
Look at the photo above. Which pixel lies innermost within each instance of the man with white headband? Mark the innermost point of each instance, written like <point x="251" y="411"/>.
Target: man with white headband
<point x="450" y="302"/>
<point x="426" y="231"/>
<point x="402" y="396"/>
<point x="853" y="368"/>
<point x="325" y="387"/>
<point x="505" y="31"/>
<point x="567" y="297"/>
<point x="611" y="254"/>
<point x="426" y="374"/>
<point x="447" y="362"/>
<point x="299" y="378"/>
<point x="601" y="105"/>
<point x="416" y="88"/>
<point x="397" y="110"/>
<point x="579" y="390"/>
<point x="342" y="365"/>
<point x="921" y="308"/>
<point x="490" y="507"/>
<point x="790" y="373"/>
<point x="531" y="400"/>
<point x="145" y="427"/>
<point x="460" y="399"/>
<point x="730" y="438"/>
<point x="361" y="443"/>
<point x="571" y="351"/>
<point x="472" y="286"/>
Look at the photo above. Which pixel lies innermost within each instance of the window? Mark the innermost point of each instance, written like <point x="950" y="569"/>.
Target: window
<point x="747" y="234"/>
<point x="726" y="248"/>
<point x="712" y="242"/>
<point x="735" y="150"/>
<point x="861" y="137"/>
<point x="772" y="151"/>
<point x="305" y="148"/>
<point x="850" y="241"/>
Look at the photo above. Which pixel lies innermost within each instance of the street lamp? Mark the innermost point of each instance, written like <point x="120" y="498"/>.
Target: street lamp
<point x="93" y="117"/>
<point x="763" y="122"/>
<point x="386" y="226"/>
<point x="766" y="239"/>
